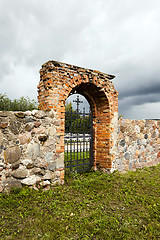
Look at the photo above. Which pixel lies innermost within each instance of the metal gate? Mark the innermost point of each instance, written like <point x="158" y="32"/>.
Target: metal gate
<point x="78" y="139"/>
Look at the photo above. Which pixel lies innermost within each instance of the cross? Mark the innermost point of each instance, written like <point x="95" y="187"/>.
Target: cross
<point x="78" y="102"/>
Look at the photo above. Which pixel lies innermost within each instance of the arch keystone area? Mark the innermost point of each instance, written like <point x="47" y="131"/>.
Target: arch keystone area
<point x="58" y="81"/>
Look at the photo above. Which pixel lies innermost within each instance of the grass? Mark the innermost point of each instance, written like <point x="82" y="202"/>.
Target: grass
<point x="77" y="161"/>
<point x="75" y="155"/>
<point x="93" y="205"/>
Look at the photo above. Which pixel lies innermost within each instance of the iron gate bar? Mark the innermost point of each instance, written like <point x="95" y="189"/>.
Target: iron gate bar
<point x="78" y="139"/>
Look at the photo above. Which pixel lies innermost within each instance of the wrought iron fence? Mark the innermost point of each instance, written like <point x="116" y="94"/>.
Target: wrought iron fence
<point x="78" y="139"/>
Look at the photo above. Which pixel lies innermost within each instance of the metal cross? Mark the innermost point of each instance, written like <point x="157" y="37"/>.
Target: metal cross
<point x="78" y="102"/>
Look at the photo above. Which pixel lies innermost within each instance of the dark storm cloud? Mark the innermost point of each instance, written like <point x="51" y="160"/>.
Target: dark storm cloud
<point x="153" y="88"/>
<point x="141" y="99"/>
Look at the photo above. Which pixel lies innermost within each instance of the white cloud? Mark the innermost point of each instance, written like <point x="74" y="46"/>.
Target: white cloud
<point x="22" y="81"/>
<point x="120" y="38"/>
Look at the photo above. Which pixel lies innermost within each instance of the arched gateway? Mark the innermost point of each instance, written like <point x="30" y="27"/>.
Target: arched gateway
<point x="58" y="81"/>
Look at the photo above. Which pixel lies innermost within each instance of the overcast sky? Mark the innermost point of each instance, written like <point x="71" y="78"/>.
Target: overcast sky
<point x="116" y="37"/>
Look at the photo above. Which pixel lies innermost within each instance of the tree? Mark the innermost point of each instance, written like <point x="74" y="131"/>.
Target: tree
<point x="75" y="122"/>
<point x="22" y="104"/>
<point x="68" y="107"/>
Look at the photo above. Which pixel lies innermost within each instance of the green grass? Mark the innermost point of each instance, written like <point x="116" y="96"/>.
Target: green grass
<point x="77" y="162"/>
<point x="73" y="155"/>
<point x="93" y="205"/>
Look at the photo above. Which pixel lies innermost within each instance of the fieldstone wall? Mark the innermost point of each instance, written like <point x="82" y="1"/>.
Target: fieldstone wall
<point x="29" y="142"/>
<point x="28" y="150"/>
<point x="138" y="144"/>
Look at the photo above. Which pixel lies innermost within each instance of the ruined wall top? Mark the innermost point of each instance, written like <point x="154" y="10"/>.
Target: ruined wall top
<point x="55" y="65"/>
<point x="59" y="80"/>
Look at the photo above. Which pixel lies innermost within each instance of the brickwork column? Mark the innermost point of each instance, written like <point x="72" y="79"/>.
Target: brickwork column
<point x="58" y="81"/>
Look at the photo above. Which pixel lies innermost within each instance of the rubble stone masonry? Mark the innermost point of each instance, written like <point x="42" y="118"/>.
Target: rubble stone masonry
<point x="28" y="143"/>
<point x="28" y="150"/>
<point x="138" y="144"/>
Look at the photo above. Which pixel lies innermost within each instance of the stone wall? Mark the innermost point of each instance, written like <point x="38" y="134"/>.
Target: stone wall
<point x="29" y="140"/>
<point x="28" y="150"/>
<point x="138" y="144"/>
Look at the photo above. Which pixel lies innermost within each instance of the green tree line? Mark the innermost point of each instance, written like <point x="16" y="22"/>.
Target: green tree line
<point x="75" y="122"/>
<point x="22" y="104"/>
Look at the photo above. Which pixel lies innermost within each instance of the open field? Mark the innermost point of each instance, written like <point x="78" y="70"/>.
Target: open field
<point x="93" y="205"/>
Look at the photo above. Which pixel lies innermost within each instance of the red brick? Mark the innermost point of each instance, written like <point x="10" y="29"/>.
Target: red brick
<point x="101" y="93"/>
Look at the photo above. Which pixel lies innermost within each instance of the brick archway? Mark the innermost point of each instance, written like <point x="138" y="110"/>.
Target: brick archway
<point x="101" y="123"/>
<point x="58" y="81"/>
